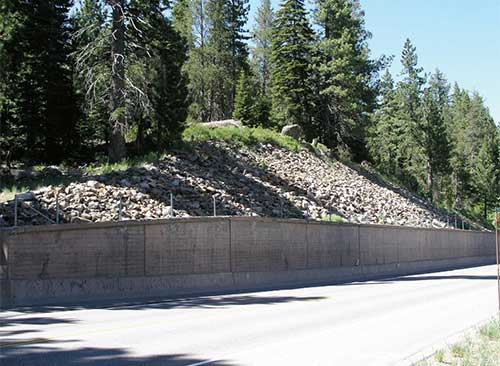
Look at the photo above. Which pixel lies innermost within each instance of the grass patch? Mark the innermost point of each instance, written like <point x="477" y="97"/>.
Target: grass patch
<point x="482" y="348"/>
<point x="491" y="330"/>
<point x="439" y="356"/>
<point x="8" y="193"/>
<point x="103" y="167"/>
<point x="244" y="136"/>
<point x="333" y="218"/>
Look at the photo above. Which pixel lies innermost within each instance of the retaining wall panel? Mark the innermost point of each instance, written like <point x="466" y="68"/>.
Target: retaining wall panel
<point x="379" y="245"/>
<point x="267" y="246"/>
<point x="330" y="246"/>
<point x="187" y="247"/>
<point x="93" y="252"/>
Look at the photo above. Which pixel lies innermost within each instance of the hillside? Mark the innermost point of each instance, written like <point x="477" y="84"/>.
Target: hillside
<point x="258" y="173"/>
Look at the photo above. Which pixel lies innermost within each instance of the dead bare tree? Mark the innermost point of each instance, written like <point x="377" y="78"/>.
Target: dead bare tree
<point x="117" y="148"/>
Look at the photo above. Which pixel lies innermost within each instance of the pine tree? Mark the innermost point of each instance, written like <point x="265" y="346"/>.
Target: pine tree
<point x="228" y="53"/>
<point x="157" y="95"/>
<point x="196" y="68"/>
<point x="239" y="49"/>
<point x="384" y="139"/>
<point x="457" y="126"/>
<point x="290" y="74"/>
<point x="92" y="69"/>
<point x="261" y="52"/>
<point x="409" y="95"/>
<point x="169" y="89"/>
<point x="12" y="138"/>
<point x="486" y="173"/>
<point x="245" y="105"/>
<point x="347" y="75"/>
<point x="182" y="20"/>
<point x="433" y="140"/>
<point x="41" y="109"/>
<point x="117" y="107"/>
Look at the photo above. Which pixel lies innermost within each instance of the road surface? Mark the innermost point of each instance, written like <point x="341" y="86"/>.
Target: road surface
<point x="383" y="322"/>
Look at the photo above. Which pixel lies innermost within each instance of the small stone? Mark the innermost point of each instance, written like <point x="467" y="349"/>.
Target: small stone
<point x="93" y="184"/>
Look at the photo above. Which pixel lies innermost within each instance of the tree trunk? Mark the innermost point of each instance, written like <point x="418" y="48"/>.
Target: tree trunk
<point x="485" y="207"/>
<point x="117" y="149"/>
<point x="139" y="140"/>
<point x="430" y="181"/>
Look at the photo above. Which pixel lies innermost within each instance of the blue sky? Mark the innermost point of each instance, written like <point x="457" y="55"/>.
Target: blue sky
<point x="460" y="37"/>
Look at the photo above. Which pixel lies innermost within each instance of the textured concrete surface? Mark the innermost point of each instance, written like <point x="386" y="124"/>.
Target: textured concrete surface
<point x="70" y="263"/>
<point x="378" y="323"/>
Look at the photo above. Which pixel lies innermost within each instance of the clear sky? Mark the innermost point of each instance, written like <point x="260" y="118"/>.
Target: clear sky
<point x="460" y="37"/>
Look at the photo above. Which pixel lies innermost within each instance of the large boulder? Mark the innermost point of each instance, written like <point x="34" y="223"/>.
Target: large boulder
<point x="294" y="131"/>
<point x="223" y="123"/>
<point x="52" y="171"/>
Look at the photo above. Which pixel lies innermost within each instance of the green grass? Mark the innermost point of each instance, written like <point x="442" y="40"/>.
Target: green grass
<point x="491" y="330"/>
<point x="8" y="193"/>
<point x="103" y="167"/>
<point x="481" y="348"/>
<point x="243" y="136"/>
<point x="439" y="356"/>
<point x="333" y="218"/>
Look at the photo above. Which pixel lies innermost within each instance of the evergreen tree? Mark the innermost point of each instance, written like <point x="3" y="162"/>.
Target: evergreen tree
<point x="238" y="37"/>
<point x="385" y="138"/>
<point x="432" y="140"/>
<point x="196" y="68"/>
<point x="228" y="53"/>
<point x="169" y="86"/>
<point x="156" y="99"/>
<point x="261" y="52"/>
<point x="347" y="76"/>
<point x="217" y="54"/>
<point x="409" y="94"/>
<point x="457" y="126"/>
<point x="290" y="73"/>
<point x="38" y="104"/>
<point x="92" y="71"/>
<point x="182" y="20"/>
<point x="245" y="106"/>
<point x="486" y="173"/>
<point x="12" y="138"/>
<point x="117" y="106"/>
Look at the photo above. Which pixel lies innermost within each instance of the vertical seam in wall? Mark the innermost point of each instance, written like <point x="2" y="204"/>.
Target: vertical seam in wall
<point x="125" y="247"/>
<point x="144" y="250"/>
<point x="359" y="246"/>
<point x="230" y="245"/>
<point x="307" y="245"/>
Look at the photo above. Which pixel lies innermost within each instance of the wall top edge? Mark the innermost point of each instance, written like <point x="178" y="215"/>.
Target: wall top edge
<point x="132" y="223"/>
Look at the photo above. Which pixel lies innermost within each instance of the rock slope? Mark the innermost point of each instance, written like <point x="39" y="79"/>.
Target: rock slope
<point x="263" y="180"/>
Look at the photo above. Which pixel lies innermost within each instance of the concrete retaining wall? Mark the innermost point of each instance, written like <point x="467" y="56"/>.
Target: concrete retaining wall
<point x="122" y="260"/>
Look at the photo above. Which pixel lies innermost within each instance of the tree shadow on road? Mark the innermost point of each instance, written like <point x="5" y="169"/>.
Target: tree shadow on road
<point x="412" y="278"/>
<point x="214" y="302"/>
<point x="25" y="355"/>
<point x="195" y="302"/>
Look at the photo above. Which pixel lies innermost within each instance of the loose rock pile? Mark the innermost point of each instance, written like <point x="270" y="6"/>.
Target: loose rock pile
<point x="262" y="181"/>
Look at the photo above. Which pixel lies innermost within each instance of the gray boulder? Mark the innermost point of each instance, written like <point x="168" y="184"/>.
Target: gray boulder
<point x="52" y="171"/>
<point x="223" y="123"/>
<point x="294" y="131"/>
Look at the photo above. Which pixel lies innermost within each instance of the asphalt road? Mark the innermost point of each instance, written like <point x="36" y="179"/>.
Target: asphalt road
<point x="385" y="322"/>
